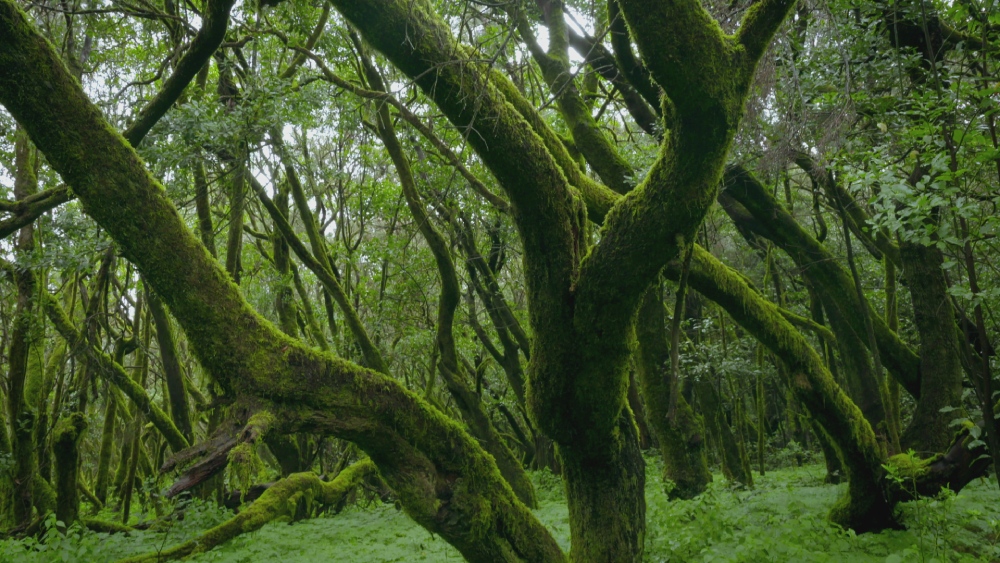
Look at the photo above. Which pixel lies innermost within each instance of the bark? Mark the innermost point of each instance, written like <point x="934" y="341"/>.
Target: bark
<point x="238" y="178"/>
<point x="940" y="361"/>
<point x="20" y="410"/>
<point x="834" y="468"/>
<point x="856" y="366"/>
<point x="288" y="498"/>
<point x="596" y="148"/>
<point x="603" y="62"/>
<point x="711" y="407"/>
<point x="27" y="209"/>
<point x="203" y="207"/>
<point x="104" y="454"/>
<point x="177" y="393"/>
<point x="284" y="298"/>
<point x="65" y="443"/>
<point x="681" y="437"/>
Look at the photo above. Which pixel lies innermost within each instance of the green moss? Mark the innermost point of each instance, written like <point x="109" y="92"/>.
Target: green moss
<point x="908" y="466"/>
<point x="65" y="444"/>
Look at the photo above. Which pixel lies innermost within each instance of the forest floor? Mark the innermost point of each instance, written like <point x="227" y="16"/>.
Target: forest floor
<point x="782" y="519"/>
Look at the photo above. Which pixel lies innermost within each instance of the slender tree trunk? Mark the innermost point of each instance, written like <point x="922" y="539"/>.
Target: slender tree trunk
<point x="66" y="445"/>
<point x="681" y="437"/>
<point x="20" y="412"/>
<point x="104" y="455"/>
<point x="180" y="408"/>
<point x="711" y="407"/>
<point x="941" y="372"/>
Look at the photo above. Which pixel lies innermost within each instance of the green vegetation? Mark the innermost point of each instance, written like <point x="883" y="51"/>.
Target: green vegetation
<point x="782" y="519"/>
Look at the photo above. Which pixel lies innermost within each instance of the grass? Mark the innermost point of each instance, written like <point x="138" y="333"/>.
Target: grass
<point x="782" y="519"/>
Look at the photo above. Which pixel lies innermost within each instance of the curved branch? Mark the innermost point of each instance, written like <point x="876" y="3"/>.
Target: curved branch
<point x="760" y="23"/>
<point x="282" y="500"/>
<point x="32" y="207"/>
<point x="213" y="30"/>
<point x="816" y="262"/>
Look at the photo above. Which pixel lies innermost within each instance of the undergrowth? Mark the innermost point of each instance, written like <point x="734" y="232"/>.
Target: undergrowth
<point x="782" y="519"/>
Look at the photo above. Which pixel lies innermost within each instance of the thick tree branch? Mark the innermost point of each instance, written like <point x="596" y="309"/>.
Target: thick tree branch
<point x="816" y="262"/>
<point x="760" y="23"/>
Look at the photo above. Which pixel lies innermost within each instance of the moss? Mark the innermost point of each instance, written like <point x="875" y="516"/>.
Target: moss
<point x="295" y="496"/>
<point x="908" y="466"/>
<point x="941" y="371"/>
<point x="865" y="506"/>
<point x="681" y="440"/>
<point x="65" y="444"/>
<point x="823" y="271"/>
<point x="104" y="454"/>
<point x="243" y="467"/>
<point x="104" y="526"/>
<point x="44" y="496"/>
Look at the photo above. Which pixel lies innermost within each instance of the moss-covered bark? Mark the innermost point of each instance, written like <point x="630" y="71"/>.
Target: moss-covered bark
<point x="595" y="147"/>
<point x="822" y="269"/>
<point x="23" y="374"/>
<point x="103" y="478"/>
<point x="180" y="408"/>
<point x="711" y="407"/>
<point x="65" y="444"/>
<point x="940" y="356"/>
<point x="287" y="499"/>
<point x="864" y="506"/>
<point x="856" y="362"/>
<point x="681" y="437"/>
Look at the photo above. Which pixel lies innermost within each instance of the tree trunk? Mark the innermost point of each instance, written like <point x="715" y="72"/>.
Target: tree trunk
<point x="711" y="407"/>
<point x="941" y="372"/>
<point x="65" y="443"/>
<point x="681" y="439"/>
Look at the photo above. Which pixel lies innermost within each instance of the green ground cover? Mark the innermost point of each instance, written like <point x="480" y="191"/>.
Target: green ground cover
<point x="782" y="519"/>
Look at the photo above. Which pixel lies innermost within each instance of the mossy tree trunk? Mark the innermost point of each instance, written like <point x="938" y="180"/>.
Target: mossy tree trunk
<point x="681" y="437"/>
<point x="180" y="408"/>
<point x="711" y="407"/>
<point x="940" y="360"/>
<point x="66" y="446"/>
<point x="20" y="410"/>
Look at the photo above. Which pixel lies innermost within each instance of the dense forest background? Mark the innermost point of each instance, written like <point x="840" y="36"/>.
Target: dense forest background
<point x="290" y="256"/>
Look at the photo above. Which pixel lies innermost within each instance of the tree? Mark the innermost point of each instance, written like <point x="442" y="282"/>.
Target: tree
<point x="592" y="254"/>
